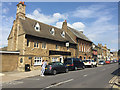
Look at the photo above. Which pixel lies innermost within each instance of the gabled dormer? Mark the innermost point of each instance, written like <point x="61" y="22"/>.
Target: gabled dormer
<point x="52" y="31"/>
<point x="37" y="27"/>
<point x="63" y="34"/>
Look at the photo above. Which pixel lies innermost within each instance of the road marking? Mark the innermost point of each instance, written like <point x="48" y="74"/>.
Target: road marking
<point x="85" y="75"/>
<point x="60" y="83"/>
<point x="103" y="69"/>
<point x="14" y="83"/>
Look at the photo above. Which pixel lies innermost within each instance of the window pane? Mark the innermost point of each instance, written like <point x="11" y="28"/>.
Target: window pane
<point x="34" y="44"/>
<point x="27" y="42"/>
<point x="37" y="44"/>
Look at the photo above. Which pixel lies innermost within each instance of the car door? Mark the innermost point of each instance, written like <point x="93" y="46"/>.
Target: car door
<point x="62" y="67"/>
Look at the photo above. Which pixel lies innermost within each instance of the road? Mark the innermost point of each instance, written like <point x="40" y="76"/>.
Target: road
<point x="97" y="77"/>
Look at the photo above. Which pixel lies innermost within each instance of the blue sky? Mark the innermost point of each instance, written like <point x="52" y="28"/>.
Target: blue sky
<point x="97" y="20"/>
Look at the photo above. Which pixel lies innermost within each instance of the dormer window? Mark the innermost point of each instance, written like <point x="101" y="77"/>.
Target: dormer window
<point x="37" y="27"/>
<point x="52" y="31"/>
<point x="63" y="34"/>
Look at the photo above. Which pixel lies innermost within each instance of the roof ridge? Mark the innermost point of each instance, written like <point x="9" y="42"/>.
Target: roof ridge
<point x="44" y="23"/>
<point x="71" y="29"/>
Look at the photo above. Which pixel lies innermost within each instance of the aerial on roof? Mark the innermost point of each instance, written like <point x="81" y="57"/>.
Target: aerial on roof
<point x="78" y="34"/>
<point x="28" y="26"/>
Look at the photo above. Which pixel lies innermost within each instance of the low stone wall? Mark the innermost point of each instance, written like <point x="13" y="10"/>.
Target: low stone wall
<point x="9" y="60"/>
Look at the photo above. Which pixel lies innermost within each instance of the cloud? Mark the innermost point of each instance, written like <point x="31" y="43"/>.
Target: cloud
<point x="76" y="25"/>
<point x="48" y="19"/>
<point x="9" y="3"/>
<point x="5" y="29"/>
<point x="92" y="11"/>
<point x="5" y="10"/>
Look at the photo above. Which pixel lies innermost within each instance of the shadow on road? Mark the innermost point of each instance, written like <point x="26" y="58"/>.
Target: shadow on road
<point x="117" y="71"/>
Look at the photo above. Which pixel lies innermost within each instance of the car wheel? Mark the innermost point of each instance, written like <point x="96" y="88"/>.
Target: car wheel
<point x="66" y="70"/>
<point x="75" y="68"/>
<point x="96" y="65"/>
<point x="83" y="67"/>
<point x="54" y="72"/>
<point x="92" y="66"/>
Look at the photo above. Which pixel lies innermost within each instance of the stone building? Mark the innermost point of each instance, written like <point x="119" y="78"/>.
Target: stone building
<point x="95" y="52"/>
<point x="83" y="43"/>
<point x="37" y="41"/>
<point x="115" y="55"/>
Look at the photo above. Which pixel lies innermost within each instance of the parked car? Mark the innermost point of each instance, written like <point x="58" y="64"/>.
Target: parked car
<point x="107" y="62"/>
<point x="111" y="61"/>
<point x="91" y="63"/>
<point x="55" y="67"/>
<point x="74" y="63"/>
<point x="115" y="61"/>
<point x="101" y="62"/>
<point x="119" y="61"/>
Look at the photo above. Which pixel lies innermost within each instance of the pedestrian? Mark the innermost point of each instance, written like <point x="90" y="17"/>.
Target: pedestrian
<point x="44" y="63"/>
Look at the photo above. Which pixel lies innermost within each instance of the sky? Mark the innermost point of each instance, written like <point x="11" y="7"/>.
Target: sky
<point x="97" y="20"/>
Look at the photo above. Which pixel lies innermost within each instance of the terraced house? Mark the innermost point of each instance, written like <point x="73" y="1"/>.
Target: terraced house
<point x="84" y="45"/>
<point x="37" y="41"/>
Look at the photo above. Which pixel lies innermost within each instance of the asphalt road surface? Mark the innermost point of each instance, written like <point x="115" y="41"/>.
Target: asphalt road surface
<point x="97" y="77"/>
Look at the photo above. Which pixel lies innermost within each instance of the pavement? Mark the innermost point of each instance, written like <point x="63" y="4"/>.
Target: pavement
<point x="16" y="75"/>
<point x="114" y="82"/>
<point x="97" y="77"/>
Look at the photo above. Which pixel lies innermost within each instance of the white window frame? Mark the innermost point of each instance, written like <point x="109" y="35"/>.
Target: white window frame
<point x="45" y="46"/>
<point x="36" y="44"/>
<point x="82" y="47"/>
<point x="54" y="59"/>
<point x="56" y="46"/>
<point x="37" y="60"/>
<point x="79" y="47"/>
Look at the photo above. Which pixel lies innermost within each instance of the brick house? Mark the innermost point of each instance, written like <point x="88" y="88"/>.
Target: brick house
<point x="84" y="45"/>
<point x="37" y="41"/>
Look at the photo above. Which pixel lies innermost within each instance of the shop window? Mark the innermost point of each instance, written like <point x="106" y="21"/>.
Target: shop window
<point x="37" y="61"/>
<point x="54" y="59"/>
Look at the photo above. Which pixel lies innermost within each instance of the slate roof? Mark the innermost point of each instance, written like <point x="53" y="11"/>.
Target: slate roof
<point x="78" y="34"/>
<point x="28" y="27"/>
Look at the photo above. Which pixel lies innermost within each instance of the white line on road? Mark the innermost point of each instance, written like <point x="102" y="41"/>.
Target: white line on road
<point x="59" y="83"/>
<point x="103" y="69"/>
<point x="85" y="75"/>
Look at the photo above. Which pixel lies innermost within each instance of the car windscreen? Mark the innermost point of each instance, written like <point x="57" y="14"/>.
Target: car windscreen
<point x="86" y="60"/>
<point x="101" y="61"/>
<point x="68" y="61"/>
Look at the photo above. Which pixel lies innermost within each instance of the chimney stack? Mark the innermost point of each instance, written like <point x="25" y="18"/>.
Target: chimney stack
<point x="64" y="26"/>
<point x="20" y="10"/>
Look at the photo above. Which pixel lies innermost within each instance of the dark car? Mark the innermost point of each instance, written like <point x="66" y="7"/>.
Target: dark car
<point x="119" y="61"/>
<point x="74" y="63"/>
<point x="101" y="62"/>
<point x="55" y="67"/>
<point x="115" y="61"/>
